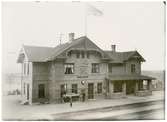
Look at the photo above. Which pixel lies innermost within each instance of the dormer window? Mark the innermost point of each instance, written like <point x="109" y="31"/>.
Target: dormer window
<point x="133" y="68"/>
<point x="69" y="68"/>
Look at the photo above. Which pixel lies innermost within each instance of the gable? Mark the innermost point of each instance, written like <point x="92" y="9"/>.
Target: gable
<point x="120" y="57"/>
<point x="34" y="53"/>
<point x="82" y="43"/>
<point x="136" y="56"/>
<point x="43" y="54"/>
<point x="22" y="56"/>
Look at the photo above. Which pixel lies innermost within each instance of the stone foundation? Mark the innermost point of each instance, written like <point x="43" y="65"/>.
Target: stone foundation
<point x="143" y="93"/>
<point x="116" y="95"/>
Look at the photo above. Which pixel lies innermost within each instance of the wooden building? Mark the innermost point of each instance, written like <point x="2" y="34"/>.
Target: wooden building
<point x="81" y="70"/>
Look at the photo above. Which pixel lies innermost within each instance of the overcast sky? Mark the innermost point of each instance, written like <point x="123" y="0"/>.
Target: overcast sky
<point x="129" y="25"/>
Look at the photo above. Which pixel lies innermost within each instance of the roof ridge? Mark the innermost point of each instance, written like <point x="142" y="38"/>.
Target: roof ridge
<point x="118" y="51"/>
<point x="37" y="46"/>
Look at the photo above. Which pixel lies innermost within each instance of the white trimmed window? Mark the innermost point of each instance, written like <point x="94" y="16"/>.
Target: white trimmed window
<point x="133" y="68"/>
<point x="95" y="68"/>
<point x="69" y="68"/>
<point x="27" y="68"/>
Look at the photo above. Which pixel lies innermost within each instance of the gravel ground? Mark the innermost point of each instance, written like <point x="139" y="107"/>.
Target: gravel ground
<point x="13" y="110"/>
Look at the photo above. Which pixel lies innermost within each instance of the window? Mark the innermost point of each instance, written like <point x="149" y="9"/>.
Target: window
<point x="95" y="68"/>
<point x="74" y="88"/>
<point x="69" y="54"/>
<point x="63" y="88"/>
<point x="28" y="91"/>
<point x="27" y="68"/>
<point x="78" y="54"/>
<point x="24" y="68"/>
<point x="87" y="54"/>
<point x="24" y="88"/>
<point x="110" y="68"/>
<point x="133" y="68"/>
<point x="118" y="86"/>
<point x="83" y="54"/>
<point x="99" y="88"/>
<point x="41" y="91"/>
<point x="69" y="68"/>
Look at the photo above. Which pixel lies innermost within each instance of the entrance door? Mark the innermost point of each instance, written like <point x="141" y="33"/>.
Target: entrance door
<point x="130" y="87"/>
<point x="27" y="91"/>
<point x="41" y="92"/>
<point x="90" y="90"/>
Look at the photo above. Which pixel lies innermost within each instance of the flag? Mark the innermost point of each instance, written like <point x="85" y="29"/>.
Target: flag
<point x="91" y="10"/>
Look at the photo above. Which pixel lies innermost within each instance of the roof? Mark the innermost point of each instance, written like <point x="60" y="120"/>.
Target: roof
<point x="37" y="54"/>
<point x="43" y="54"/>
<point x="119" y="57"/>
<point x="129" y="77"/>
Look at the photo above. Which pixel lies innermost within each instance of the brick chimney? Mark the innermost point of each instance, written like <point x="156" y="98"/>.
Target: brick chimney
<point x="71" y="37"/>
<point x="113" y="47"/>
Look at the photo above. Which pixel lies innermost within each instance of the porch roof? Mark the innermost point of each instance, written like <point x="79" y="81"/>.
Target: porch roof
<point x="129" y="77"/>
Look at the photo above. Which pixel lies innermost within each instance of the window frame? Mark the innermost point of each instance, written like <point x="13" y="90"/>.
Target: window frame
<point x="99" y="88"/>
<point x="63" y="89"/>
<point x="133" y="68"/>
<point x="28" y="68"/>
<point x="68" y="65"/>
<point x="24" y="88"/>
<point x="24" y="68"/>
<point x="74" y="89"/>
<point x="95" y="69"/>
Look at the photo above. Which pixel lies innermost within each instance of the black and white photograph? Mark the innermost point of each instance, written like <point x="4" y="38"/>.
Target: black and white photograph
<point x="83" y="61"/>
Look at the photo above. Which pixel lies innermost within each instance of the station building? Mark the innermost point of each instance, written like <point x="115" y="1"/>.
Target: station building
<point x="81" y="70"/>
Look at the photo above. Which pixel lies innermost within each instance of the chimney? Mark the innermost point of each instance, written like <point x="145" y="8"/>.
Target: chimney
<point x="113" y="47"/>
<point x="71" y="37"/>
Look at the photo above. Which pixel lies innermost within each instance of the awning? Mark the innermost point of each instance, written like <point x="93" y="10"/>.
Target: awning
<point x="129" y="77"/>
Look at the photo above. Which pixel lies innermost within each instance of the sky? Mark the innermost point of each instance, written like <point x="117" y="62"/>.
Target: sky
<point x="130" y="25"/>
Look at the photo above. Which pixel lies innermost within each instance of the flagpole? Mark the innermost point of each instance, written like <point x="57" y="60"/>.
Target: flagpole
<point x="92" y="11"/>
<point x="85" y="20"/>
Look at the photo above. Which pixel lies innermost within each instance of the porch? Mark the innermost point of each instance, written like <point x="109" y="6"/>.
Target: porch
<point x="121" y="86"/>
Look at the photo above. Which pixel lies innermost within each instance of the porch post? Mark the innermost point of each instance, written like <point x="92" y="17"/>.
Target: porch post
<point x="149" y="85"/>
<point x="136" y="87"/>
<point x="124" y="87"/>
<point x="111" y="87"/>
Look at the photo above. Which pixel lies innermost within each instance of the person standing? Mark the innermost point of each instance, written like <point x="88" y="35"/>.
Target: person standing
<point x="71" y="101"/>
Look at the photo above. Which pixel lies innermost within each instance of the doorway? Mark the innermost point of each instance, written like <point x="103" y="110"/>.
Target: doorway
<point x="41" y="90"/>
<point x="90" y="90"/>
<point x="130" y="87"/>
<point x="28" y="91"/>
